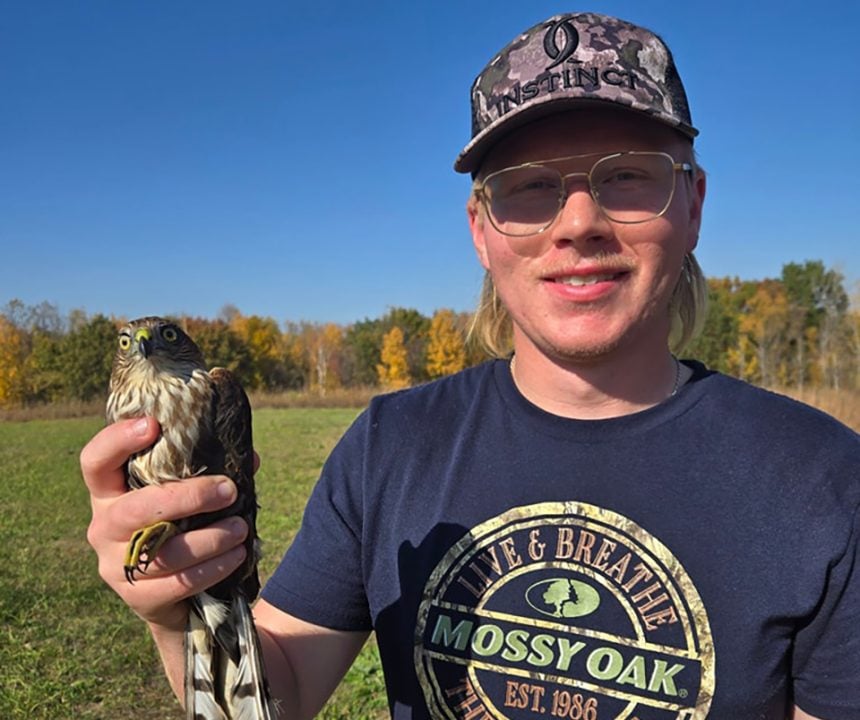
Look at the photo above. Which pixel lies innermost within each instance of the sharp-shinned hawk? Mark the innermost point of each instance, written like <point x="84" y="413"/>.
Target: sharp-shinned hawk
<point x="205" y="422"/>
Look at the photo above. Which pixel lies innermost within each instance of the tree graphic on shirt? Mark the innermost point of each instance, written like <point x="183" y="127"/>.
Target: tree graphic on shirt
<point x="561" y="594"/>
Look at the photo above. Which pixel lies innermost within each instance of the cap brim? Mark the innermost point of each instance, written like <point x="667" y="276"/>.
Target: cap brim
<point x="469" y="160"/>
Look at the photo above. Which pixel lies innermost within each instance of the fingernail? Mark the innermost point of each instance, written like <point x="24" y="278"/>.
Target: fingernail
<point x="226" y="489"/>
<point x="141" y="427"/>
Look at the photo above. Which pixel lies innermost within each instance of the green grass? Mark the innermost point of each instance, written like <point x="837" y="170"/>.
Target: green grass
<point x="69" y="648"/>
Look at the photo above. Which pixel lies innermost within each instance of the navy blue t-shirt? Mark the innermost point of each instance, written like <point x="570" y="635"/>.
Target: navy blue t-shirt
<point x="697" y="559"/>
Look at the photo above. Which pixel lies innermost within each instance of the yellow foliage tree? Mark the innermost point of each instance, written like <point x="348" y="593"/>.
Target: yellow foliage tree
<point x="293" y="349"/>
<point x="262" y="336"/>
<point x="393" y="371"/>
<point x="12" y="359"/>
<point x="764" y="327"/>
<point x="446" y="349"/>
<point x="741" y="358"/>
<point x="260" y="333"/>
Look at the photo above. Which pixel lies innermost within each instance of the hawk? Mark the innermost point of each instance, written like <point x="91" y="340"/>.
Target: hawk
<point x="205" y="421"/>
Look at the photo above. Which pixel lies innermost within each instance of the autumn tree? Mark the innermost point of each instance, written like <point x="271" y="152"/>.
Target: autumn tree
<point x="765" y="326"/>
<point x="819" y="302"/>
<point x="12" y="359"/>
<point x="293" y="357"/>
<point x="17" y="313"/>
<point x="262" y="336"/>
<point x="221" y="346"/>
<point x="45" y="317"/>
<point x="393" y="369"/>
<point x="323" y="350"/>
<point x="363" y="345"/>
<point x="44" y="370"/>
<point x="446" y="352"/>
<point x="788" y="331"/>
<point x="415" y="328"/>
<point x="86" y="357"/>
<point x="720" y="330"/>
<point x="739" y="358"/>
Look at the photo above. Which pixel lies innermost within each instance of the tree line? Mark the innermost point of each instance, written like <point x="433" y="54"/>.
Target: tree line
<point x="46" y="357"/>
<point x="797" y="330"/>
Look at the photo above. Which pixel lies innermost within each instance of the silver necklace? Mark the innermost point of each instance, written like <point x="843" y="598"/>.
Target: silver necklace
<point x="677" y="384"/>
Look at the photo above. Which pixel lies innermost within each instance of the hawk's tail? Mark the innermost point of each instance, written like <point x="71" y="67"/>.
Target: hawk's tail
<point x="224" y="675"/>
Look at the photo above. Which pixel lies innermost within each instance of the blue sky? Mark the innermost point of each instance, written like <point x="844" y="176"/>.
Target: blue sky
<point x="294" y="158"/>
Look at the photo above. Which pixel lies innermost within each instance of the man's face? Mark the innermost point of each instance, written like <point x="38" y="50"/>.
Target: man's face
<point x="587" y="286"/>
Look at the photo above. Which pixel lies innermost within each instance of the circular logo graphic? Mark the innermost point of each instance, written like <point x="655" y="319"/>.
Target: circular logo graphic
<point x="563" y="597"/>
<point x="563" y="610"/>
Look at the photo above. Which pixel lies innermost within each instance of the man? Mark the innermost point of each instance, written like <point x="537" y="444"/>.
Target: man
<point x="587" y="527"/>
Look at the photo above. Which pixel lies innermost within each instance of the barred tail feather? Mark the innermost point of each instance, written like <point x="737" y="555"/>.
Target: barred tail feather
<point x="200" y="666"/>
<point x="224" y="677"/>
<point x="248" y="695"/>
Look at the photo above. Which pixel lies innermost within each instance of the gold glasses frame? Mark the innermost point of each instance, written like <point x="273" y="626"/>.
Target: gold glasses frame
<point x="485" y="197"/>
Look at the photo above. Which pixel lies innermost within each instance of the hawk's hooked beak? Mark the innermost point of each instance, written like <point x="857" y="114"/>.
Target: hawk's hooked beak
<point x="143" y="337"/>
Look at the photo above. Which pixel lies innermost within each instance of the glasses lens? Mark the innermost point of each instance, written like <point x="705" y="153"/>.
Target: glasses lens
<point x="523" y="200"/>
<point x="634" y="187"/>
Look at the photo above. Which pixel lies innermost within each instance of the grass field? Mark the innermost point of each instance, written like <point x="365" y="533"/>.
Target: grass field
<point x="69" y="648"/>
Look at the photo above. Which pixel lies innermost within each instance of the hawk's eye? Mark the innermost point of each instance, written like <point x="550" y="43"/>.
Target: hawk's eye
<point x="169" y="334"/>
<point x="124" y="342"/>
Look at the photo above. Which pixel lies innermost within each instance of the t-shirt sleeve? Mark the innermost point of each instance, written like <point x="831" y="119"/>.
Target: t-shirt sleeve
<point x="320" y="579"/>
<point x="826" y="662"/>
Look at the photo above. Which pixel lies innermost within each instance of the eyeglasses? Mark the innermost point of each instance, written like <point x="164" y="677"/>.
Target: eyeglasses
<point x="628" y="187"/>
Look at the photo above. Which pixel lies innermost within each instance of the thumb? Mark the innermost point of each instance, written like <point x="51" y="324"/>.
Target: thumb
<point x="104" y="457"/>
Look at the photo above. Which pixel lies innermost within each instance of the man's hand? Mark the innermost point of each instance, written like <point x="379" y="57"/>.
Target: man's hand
<point x="188" y="563"/>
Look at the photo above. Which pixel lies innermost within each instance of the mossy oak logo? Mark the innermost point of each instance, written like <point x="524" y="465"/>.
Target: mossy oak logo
<point x="563" y="610"/>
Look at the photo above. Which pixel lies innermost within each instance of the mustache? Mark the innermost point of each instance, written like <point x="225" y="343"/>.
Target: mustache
<point x="600" y="261"/>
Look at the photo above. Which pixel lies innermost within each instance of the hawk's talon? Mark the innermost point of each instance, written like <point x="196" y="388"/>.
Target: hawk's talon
<point x="144" y="546"/>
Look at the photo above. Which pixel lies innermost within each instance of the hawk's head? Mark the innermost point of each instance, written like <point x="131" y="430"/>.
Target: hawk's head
<point x="152" y="346"/>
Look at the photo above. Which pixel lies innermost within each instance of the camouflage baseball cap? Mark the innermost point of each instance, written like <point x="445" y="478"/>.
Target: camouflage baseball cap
<point x="559" y="63"/>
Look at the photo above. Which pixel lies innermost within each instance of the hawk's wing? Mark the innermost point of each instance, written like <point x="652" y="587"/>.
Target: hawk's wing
<point x="232" y="426"/>
<point x="228" y="673"/>
<point x="231" y="452"/>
